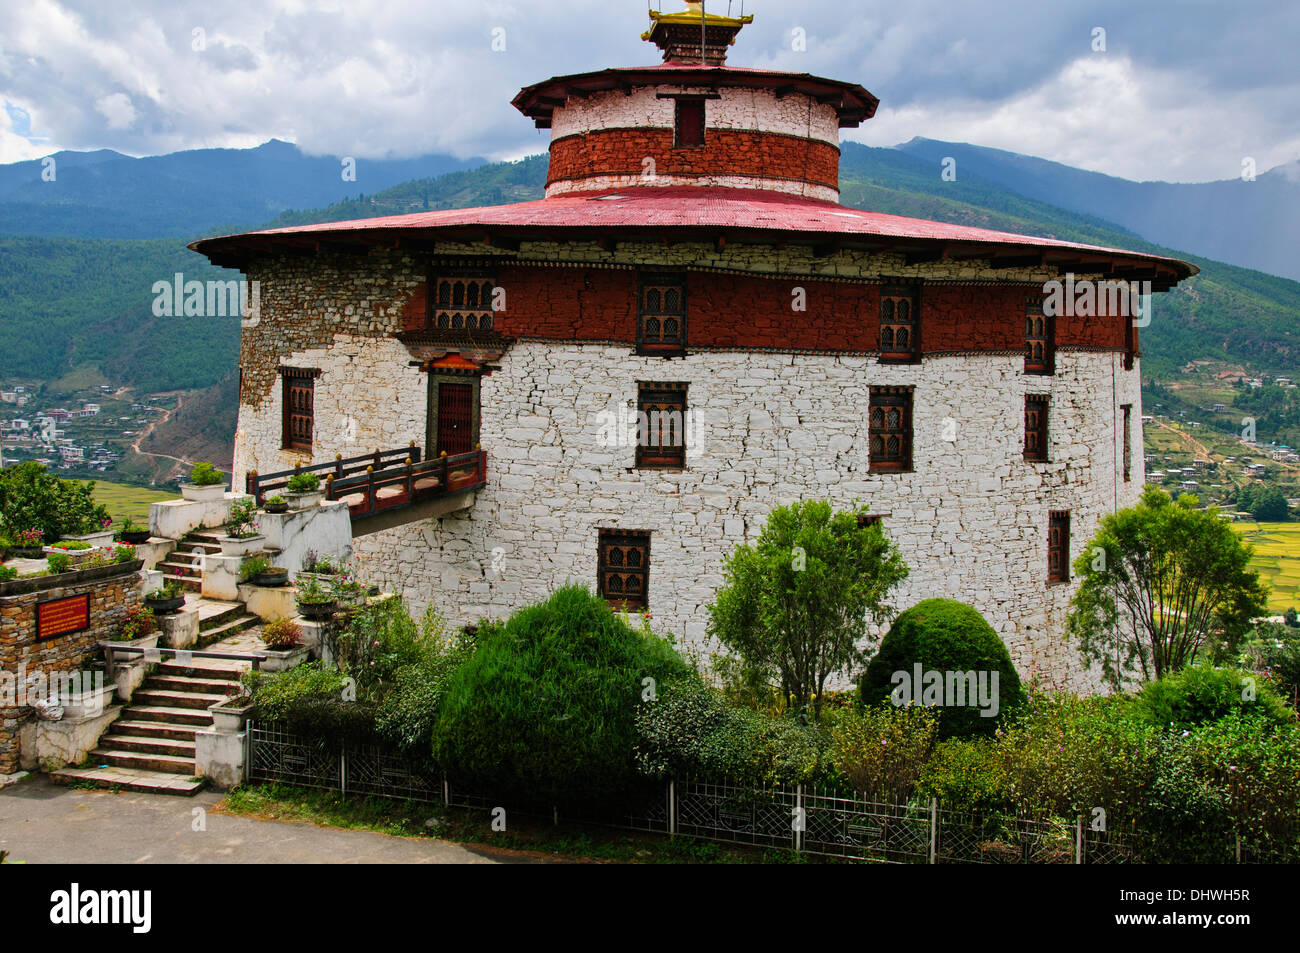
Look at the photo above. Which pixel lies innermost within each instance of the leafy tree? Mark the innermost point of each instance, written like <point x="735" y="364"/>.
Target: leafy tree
<point x="1269" y="505"/>
<point x="1161" y="582"/>
<point x="33" y="498"/>
<point x="795" y="605"/>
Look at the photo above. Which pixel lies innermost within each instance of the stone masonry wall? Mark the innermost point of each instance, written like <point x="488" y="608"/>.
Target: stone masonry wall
<point x="21" y="655"/>
<point x="768" y="428"/>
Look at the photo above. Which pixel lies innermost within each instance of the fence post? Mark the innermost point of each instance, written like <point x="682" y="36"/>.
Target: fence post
<point x="672" y="807"/>
<point x="248" y="752"/>
<point x="798" y="817"/>
<point x="446" y="792"/>
<point x="934" y="830"/>
<point x="343" y="769"/>
<point x="1078" y="839"/>
<point x="1238" y="848"/>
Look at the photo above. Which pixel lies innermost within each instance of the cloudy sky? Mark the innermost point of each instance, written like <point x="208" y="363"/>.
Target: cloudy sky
<point x="1182" y="91"/>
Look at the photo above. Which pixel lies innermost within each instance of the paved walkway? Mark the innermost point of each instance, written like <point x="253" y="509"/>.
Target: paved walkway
<point x="44" y="824"/>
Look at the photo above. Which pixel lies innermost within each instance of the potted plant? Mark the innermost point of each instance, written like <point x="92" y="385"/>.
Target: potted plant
<point x="276" y="504"/>
<point x="28" y="544"/>
<point x="131" y="532"/>
<point x="139" y="628"/>
<point x="259" y="571"/>
<point x="283" y="638"/>
<point x="206" y="484"/>
<point x="304" y="491"/>
<point x="314" y="602"/>
<point x="170" y="598"/>
<point x="242" y="534"/>
<point x="77" y="552"/>
<point x="229" y="714"/>
<point x="86" y="694"/>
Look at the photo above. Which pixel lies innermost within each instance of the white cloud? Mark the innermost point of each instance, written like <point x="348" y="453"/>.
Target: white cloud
<point x="117" y="109"/>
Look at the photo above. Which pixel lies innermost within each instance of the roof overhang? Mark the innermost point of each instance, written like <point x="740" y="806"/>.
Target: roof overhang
<point x="853" y="104"/>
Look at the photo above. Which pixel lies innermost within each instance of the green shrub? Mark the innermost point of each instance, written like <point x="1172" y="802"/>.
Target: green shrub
<point x="882" y="750"/>
<point x="205" y="474"/>
<point x="544" y="709"/>
<point x="58" y="562"/>
<point x="1201" y="694"/>
<point x="309" y="700"/>
<point x="944" y="635"/>
<point x="409" y="709"/>
<point x="1275" y="653"/>
<point x="303" y="483"/>
<point x="138" y="622"/>
<point x="282" y="634"/>
<point x="251" y="566"/>
<point x="7" y="573"/>
<point x="966" y="774"/>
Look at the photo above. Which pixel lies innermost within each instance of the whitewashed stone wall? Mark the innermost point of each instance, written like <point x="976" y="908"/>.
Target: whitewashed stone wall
<point x="971" y="520"/>
<point x="749" y="110"/>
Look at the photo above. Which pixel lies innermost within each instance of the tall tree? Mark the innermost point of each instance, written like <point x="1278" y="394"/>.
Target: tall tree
<point x="1163" y="582"/>
<point x="796" y="603"/>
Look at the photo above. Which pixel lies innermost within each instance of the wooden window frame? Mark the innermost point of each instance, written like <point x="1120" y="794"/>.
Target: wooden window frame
<point x="297" y="379"/>
<point x="658" y="346"/>
<point x="1037" y="428"/>
<point x="431" y="423"/>
<point x="691" y="103"/>
<point x="891" y="297"/>
<point x="1058" y="521"/>
<point x="1034" y="312"/>
<point x="608" y="538"/>
<point x="886" y="397"/>
<point x="449" y="285"/>
<point x="1126" y="434"/>
<point x="654" y="395"/>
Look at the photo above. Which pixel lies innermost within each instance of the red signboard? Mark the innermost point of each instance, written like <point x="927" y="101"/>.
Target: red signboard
<point x="61" y="616"/>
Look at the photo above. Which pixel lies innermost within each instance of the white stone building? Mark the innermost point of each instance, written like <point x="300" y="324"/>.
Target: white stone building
<point x="690" y="257"/>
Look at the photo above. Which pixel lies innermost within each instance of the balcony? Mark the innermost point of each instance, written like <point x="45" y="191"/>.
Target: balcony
<point x="388" y="487"/>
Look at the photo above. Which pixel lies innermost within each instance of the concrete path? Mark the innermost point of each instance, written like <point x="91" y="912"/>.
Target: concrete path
<point x="41" y="823"/>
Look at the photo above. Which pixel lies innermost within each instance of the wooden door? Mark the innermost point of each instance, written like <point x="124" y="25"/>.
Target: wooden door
<point x="455" y="419"/>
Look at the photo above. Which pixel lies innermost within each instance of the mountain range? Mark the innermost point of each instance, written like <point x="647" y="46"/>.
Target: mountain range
<point x="80" y="255"/>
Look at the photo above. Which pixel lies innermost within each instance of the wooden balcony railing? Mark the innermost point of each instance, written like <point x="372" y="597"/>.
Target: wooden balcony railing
<point x="384" y="479"/>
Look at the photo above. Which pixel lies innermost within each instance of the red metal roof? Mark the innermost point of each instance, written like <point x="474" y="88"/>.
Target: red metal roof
<point x="738" y="214"/>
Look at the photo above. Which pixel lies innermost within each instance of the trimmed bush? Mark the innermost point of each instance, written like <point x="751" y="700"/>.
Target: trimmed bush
<point x="308" y="700"/>
<point x="1201" y="694"/>
<point x="543" y="712"/>
<point x="882" y="750"/>
<point x="944" y="635"/>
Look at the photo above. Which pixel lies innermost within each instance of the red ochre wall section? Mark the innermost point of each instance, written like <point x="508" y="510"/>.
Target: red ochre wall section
<point x="742" y="311"/>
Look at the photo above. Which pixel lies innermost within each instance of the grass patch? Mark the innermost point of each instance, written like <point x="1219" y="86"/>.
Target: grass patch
<point x="472" y="828"/>
<point x="124" y="500"/>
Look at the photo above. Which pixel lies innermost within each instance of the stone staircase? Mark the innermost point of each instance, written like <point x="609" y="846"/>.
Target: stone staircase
<point x="186" y="559"/>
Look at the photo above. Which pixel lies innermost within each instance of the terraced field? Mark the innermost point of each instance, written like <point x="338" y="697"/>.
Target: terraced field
<point x="123" y="500"/>
<point x="1277" y="559"/>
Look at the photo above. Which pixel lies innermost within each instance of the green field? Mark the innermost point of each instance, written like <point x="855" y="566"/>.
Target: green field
<point x="123" y="500"/>
<point x="1277" y="559"/>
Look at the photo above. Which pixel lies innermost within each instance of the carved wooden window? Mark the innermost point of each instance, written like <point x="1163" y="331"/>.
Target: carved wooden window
<point x="1058" y="547"/>
<point x="1127" y="434"/>
<point x="900" y="324"/>
<point x="462" y="303"/>
<point x="890" y="428"/>
<point x="688" y="124"/>
<point x="623" y="569"/>
<point x="1036" y="427"/>
<point x="661" y="315"/>
<point x="661" y="426"/>
<point x="298" y="407"/>
<point x="1040" y="347"/>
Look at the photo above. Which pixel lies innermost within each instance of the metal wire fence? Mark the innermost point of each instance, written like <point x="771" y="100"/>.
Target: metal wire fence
<point x="807" y="820"/>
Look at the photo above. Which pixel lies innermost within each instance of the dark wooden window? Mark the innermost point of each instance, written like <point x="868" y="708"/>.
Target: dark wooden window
<point x="900" y="324"/>
<point x="661" y="315"/>
<point x="688" y="124"/>
<point x="890" y="428"/>
<point x="462" y="303"/>
<point x="298" y="413"/>
<point x="1058" y="547"/>
<point x="661" y="426"/>
<point x="1036" y="427"/>
<point x="1040" y="347"/>
<point x="1127" y="434"/>
<point x="870" y="519"/>
<point x="623" y="567"/>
